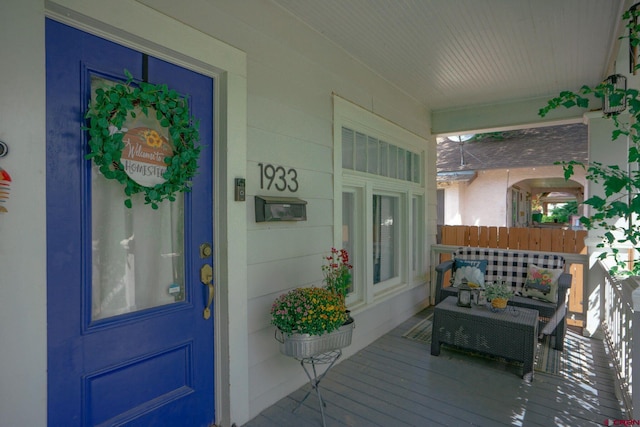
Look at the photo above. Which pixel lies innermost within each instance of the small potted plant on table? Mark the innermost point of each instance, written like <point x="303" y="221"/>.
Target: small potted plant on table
<point x="498" y="293"/>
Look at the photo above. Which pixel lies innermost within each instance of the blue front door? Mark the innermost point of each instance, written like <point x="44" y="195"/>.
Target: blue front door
<point x="128" y="343"/>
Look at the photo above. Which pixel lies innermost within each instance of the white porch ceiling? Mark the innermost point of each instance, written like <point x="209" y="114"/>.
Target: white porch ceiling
<point x="459" y="53"/>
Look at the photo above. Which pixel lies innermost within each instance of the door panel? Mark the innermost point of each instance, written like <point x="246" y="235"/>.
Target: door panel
<point x="152" y="366"/>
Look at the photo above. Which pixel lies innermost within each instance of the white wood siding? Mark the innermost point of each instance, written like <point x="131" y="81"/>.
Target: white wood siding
<point x="291" y="73"/>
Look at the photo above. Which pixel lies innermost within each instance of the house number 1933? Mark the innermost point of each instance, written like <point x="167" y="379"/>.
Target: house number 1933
<point x="279" y="177"/>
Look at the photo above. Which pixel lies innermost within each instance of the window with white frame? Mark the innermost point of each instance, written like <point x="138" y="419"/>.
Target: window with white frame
<point x="386" y="235"/>
<point x="379" y="169"/>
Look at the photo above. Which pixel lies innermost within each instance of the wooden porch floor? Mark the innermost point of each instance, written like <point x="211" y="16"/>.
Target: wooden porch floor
<point x="396" y="382"/>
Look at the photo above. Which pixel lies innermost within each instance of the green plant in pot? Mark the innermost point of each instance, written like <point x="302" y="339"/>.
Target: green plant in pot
<point x="615" y="214"/>
<point x="498" y="293"/>
<point x="313" y="311"/>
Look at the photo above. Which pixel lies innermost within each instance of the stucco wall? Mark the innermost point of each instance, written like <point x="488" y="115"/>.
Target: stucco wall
<point x="486" y="200"/>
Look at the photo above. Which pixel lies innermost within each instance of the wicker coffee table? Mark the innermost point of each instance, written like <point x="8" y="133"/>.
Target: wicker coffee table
<point x="512" y="333"/>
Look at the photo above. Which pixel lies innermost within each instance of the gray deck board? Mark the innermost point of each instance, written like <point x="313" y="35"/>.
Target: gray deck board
<point x="396" y="382"/>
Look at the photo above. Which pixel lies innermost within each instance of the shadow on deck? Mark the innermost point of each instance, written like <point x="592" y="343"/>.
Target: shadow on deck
<point x="396" y="382"/>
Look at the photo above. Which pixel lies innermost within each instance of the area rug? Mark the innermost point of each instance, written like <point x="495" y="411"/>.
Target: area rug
<point x="547" y="359"/>
<point x="421" y="331"/>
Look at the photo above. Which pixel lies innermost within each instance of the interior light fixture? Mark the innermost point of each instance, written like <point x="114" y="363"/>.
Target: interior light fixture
<point x="615" y="99"/>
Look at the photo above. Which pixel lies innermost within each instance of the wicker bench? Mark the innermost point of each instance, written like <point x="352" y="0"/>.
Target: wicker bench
<point x="511" y="267"/>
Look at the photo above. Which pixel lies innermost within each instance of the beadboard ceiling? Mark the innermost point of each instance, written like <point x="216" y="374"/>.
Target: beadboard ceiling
<point x="459" y="53"/>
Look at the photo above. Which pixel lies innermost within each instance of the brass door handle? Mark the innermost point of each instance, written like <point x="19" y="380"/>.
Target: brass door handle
<point x="206" y="277"/>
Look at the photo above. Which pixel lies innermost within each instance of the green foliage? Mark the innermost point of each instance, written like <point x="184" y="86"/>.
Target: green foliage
<point x="621" y="188"/>
<point x="109" y="112"/>
<point x="562" y="213"/>
<point x="498" y="290"/>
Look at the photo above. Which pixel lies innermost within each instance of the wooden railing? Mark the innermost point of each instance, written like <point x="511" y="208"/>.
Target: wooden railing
<point x="619" y="320"/>
<point x="568" y="243"/>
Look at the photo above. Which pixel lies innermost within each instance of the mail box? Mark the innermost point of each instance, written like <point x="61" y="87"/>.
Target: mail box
<point x="269" y="208"/>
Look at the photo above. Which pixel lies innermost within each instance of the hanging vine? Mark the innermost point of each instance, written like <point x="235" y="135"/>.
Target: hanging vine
<point x="621" y="188"/>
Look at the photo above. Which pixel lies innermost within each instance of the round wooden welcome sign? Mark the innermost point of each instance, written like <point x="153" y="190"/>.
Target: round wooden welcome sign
<point x="144" y="154"/>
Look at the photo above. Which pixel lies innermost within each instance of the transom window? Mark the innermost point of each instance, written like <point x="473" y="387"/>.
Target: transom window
<point x="365" y="153"/>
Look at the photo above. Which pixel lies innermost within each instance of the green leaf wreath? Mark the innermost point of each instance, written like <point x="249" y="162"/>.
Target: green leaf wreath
<point x="106" y="117"/>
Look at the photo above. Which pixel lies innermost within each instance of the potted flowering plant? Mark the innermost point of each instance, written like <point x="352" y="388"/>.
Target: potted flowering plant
<point x="314" y="320"/>
<point x="498" y="293"/>
<point x="337" y="274"/>
<point x="313" y="311"/>
<point x="310" y="321"/>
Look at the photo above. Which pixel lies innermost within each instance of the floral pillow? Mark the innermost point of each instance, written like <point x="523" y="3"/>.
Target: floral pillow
<point x="472" y="270"/>
<point x="542" y="283"/>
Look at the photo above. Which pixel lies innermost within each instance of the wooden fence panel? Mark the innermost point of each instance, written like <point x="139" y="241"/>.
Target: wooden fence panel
<point x="581" y="248"/>
<point x="492" y="237"/>
<point x="557" y="240"/>
<point x="576" y="295"/>
<point x="448" y="235"/>
<point x="569" y="244"/>
<point x="534" y="238"/>
<point x="503" y="238"/>
<point x="514" y="238"/>
<point x="462" y="235"/>
<point x="545" y="239"/>
<point x="473" y="236"/>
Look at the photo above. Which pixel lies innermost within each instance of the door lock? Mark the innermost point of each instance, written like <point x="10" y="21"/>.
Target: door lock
<point x="205" y="250"/>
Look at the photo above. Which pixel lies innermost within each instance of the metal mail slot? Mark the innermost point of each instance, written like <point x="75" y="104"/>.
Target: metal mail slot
<point x="270" y="208"/>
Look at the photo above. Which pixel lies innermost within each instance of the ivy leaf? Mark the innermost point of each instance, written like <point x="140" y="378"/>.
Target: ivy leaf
<point x="614" y="184"/>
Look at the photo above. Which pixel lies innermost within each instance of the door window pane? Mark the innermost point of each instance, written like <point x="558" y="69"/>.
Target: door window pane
<point x="137" y="253"/>
<point x="385" y="235"/>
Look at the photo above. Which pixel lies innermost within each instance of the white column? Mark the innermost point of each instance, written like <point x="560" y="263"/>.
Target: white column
<point x="601" y="149"/>
<point x="635" y="353"/>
